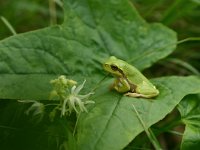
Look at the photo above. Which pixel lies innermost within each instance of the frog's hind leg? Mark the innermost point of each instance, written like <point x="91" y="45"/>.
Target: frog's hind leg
<point x="137" y="95"/>
<point x="148" y="91"/>
<point x="144" y="90"/>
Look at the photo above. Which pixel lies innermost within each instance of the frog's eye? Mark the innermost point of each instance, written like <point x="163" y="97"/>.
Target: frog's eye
<point x="114" y="68"/>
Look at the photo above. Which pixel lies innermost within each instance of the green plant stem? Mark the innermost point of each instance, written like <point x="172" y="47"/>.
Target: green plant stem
<point x="76" y="123"/>
<point x="172" y="125"/>
<point x="52" y="11"/>
<point x="51" y="105"/>
<point x="175" y="132"/>
<point x="189" y="39"/>
<point x="59" y="3"/>
<point x="148" y="131"/>
<point x="184" y="64"/>
<point x="171" y="13"/>
<point x="8" y="25"/>
<point x="169" y="127"/>
<point x="99" y="83"/>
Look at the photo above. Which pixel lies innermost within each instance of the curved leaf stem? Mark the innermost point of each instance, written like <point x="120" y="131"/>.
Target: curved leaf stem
<point x="76" y="123"/>
<point x="8" y="25"/>
<point x="189" y="39"/>
<point x="184" y="64"/>
<point x="52" y="11"/>
<point x="148" y="131"/>
<point x="99" y="83"/>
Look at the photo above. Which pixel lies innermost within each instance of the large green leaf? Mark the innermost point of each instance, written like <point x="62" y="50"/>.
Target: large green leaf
<point x="92" y="30"/>
<point x="190" y="115"/>
<point x="27" y="86"/>
<point x="112" y="122"/>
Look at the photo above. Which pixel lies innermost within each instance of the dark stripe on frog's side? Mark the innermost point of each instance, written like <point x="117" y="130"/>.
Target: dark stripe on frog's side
<point x="132" y="86"/>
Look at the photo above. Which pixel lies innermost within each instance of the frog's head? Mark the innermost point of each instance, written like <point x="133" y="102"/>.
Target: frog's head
<point x="114" y="66"/>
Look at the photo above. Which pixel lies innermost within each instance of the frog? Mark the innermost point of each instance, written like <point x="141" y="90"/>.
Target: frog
<point x="129" y="80"/>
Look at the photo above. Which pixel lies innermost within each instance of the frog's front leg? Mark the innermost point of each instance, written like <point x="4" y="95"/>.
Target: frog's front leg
<point x="121" y="85"/>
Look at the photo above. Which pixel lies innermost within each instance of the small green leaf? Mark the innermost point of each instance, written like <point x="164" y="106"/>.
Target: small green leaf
<point x="91" y="32"/>
<point x="112" y="123"/>
<point x="189" y="109"/>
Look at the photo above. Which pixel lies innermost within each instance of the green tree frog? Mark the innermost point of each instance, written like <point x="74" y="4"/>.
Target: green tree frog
<point x="129" y="80"/>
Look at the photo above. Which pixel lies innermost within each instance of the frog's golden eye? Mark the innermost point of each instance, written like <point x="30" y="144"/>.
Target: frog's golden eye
<point x="114" y="68"/>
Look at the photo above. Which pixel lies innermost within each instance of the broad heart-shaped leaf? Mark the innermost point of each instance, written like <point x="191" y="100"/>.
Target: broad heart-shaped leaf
<point x="189" y="109"/>
<point x="112" y="122"/>
<point x="92" y="31"/>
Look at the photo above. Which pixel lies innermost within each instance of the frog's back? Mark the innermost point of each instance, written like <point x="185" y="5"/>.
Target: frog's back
<point x="135" y="75"/>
